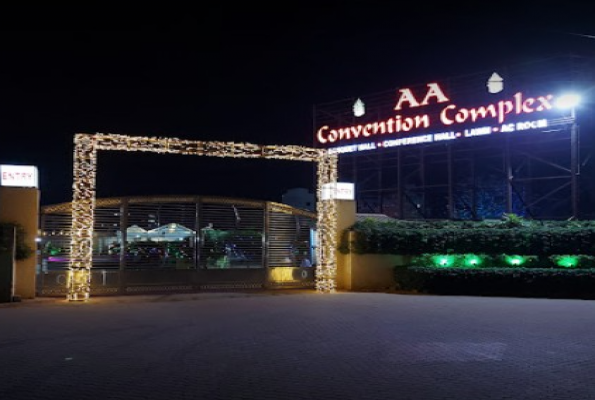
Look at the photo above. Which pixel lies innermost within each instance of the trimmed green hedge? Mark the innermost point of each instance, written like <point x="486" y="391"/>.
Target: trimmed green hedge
<point x="474" y="260"/>
<point x="514" y="282"/>
<point x="508" y="236"/>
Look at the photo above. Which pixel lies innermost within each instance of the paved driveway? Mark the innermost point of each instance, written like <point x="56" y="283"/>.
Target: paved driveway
<point x="298" y="345"/>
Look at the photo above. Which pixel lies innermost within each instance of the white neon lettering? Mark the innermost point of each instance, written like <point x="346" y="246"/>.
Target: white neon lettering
<point x="484" y="130"/>
<point x="438" y="137"/>
<point x="408" y="140"/>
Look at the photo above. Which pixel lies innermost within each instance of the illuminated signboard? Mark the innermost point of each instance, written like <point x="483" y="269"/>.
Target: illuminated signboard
<point x="338" y="191"/>
<point x="489" y="104"/>
<point x="18" y="176"/>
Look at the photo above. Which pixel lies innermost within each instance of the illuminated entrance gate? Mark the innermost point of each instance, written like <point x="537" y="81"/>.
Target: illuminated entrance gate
<point x="83" y="204"/>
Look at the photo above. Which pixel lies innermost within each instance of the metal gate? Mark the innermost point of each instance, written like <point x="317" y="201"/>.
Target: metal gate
<point x="183" y="243"/>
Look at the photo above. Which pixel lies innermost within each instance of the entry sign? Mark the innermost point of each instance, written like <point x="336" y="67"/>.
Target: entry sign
<point x="338" y="191"/>
<point x="19" y="176"/>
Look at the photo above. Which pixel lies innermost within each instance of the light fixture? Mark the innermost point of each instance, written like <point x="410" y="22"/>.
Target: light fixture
<point x="442" y="260"/>
<point x="568" y="101"/>
<point x="515" y="260"/>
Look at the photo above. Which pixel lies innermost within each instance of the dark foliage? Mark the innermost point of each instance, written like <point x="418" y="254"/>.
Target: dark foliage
<point x="6" y="231"/>
<point x="517" y="282"/>
<point x="510" y="235"/>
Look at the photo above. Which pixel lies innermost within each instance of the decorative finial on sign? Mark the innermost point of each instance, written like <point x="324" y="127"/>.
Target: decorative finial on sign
<point x="495" y="83"/>
<point x="359" y="108"/>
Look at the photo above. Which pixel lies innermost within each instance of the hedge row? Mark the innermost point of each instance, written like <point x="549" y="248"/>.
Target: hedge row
<point x="474" y="260"/>
<point x="516" y="282"/>
<point x="410" y="237"/>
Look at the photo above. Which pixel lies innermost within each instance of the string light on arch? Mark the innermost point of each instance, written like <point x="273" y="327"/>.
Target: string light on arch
<point x="86" y="147"/>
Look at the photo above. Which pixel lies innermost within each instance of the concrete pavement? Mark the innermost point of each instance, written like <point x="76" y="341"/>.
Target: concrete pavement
<point x="298" y="345"/>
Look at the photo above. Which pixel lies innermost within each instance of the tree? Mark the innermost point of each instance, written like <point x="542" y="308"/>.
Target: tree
<point x="23" y="250"/>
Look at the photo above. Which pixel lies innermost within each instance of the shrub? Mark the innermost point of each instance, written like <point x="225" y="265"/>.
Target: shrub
<point x="23" y="250"/>
<point x="519" y="282"/>
<point x="508" y="236"/>
<point x="573" y="261"/>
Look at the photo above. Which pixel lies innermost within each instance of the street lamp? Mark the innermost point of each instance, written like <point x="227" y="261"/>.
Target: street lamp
<point x="571" y="101"/>
<point x="568" y="101"/>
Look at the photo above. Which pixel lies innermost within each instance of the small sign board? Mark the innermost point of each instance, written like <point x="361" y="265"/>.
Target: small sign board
<point x="338" y="191"/>
<point x="19" y="176"/>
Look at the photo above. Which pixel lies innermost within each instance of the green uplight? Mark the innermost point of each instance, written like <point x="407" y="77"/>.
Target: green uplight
<point x="515" y="260"/>
<point x="443" y="261"/>
<point x="472" y="261"/>
<point x="568" y="262"/>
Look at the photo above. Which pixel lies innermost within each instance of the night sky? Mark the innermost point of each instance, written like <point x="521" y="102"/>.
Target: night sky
<point x="245" y="74"/>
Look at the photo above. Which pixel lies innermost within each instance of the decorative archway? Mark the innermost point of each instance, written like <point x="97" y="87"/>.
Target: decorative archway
<point x="86" y="147"/>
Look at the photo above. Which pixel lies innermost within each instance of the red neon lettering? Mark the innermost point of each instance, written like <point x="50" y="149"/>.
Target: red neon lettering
<point x="444" y="117"/>
<point x="527" y="105"/>
<point x="356" y="130"/>
<point x="422" y="121"/>
<point x="462" y="115"/>
<point x="482" y="112"/>
<point x="391" y="125"/>
<point x="407" y="124"/>
<point x="544" y="103"/>
<point x="518" y="105"/>
<point x="449" y="115"/>
<point x="434" y="91"/>
<point x="406" y="96"/>
<point x="344" y="133"/>
<point x="504" y="107"/>
<point x="518" y="102"/>
<point x="320" y="135"/>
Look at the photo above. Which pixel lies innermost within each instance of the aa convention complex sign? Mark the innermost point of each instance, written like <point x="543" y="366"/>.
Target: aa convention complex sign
<point x="482" y="105"/>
